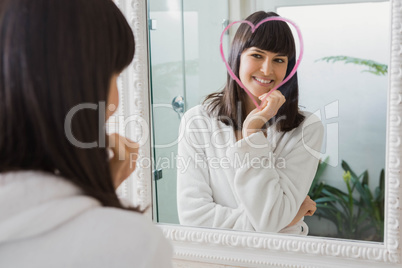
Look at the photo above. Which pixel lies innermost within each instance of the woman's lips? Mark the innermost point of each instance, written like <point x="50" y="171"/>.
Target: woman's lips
<point x="263" y="82"/>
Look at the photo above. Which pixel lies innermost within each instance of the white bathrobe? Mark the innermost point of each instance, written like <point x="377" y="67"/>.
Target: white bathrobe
<point x="254" y="184"/>
<point x="45" y="221"/>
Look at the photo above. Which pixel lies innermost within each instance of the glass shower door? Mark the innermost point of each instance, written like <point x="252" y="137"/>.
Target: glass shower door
<point x="182" y="55"/>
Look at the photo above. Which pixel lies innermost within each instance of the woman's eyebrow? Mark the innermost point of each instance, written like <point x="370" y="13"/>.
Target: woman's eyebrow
<point x="263" y="52"/>
<point x="257" y="50"/>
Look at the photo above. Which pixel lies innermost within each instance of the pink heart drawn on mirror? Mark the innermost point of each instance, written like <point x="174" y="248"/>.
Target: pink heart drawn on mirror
<point x="253" y="28"/>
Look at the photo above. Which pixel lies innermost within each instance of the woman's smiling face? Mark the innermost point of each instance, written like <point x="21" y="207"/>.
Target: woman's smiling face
<point x="261" y="70"/>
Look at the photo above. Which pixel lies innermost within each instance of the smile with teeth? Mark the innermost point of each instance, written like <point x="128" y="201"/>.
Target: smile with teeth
<point x="263" y="81"/>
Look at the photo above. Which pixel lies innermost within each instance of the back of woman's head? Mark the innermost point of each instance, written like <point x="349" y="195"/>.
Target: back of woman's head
<point x="56" y="55"/>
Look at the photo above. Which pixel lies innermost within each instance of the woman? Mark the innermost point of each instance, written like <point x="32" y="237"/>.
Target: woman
<point x="246" y="168"/>
<point x="60" y="60"/>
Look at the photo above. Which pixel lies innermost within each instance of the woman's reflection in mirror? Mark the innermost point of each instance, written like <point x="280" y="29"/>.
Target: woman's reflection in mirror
<point x="245" y="168"/>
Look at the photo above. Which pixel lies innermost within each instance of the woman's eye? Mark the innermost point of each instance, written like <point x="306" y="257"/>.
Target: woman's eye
<point x="280" y="60"/>
<point x="257" y="56"/>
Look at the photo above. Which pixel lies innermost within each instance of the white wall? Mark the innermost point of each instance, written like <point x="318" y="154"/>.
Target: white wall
<point x="356" y="30"/>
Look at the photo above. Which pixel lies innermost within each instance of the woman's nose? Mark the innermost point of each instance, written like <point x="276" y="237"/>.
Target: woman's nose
<point x="266" y="67"/>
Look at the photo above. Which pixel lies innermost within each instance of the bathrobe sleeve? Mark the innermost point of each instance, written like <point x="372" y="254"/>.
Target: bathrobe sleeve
<point x="269" y="194"/>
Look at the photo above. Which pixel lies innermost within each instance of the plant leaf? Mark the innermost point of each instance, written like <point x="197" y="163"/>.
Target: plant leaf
<point x="320" y="170"/>
<point x="373" y="66"/>
<point x="325" y="199"/>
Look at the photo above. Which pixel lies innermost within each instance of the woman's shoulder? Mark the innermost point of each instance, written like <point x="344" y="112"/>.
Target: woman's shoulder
<point x="124" y="235"/>
<point x="310" y="130"/>
<point x="197" y="117"/>
<point x="198" y="110"/>
<point x="311" y="121"/>
<point x="310" y="126"/>
<point x="86" y="233"/>
<point x="124" y="222"/>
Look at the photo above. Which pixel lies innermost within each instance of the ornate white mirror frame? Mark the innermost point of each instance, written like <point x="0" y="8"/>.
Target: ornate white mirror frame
<point x="215" y="248"/>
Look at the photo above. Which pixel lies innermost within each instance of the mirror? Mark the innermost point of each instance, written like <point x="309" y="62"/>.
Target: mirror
<point x="342" y="78"/>
<point x="195" y="246"/>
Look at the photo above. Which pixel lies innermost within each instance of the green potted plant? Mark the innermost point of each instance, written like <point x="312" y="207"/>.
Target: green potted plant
<point x="357" y="213"/>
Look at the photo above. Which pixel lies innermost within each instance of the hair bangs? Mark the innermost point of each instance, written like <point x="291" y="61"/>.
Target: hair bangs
<point x="274" y="36"/>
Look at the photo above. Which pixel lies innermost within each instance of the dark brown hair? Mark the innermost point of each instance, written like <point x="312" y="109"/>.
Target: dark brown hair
<point x="274" y="36"/>
<point x="55" y="55"/>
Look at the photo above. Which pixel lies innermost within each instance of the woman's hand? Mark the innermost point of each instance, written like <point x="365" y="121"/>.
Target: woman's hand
<point x="123" y="160"/>
<point x="256" y="119"/>
<point x="307" y="208"/>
